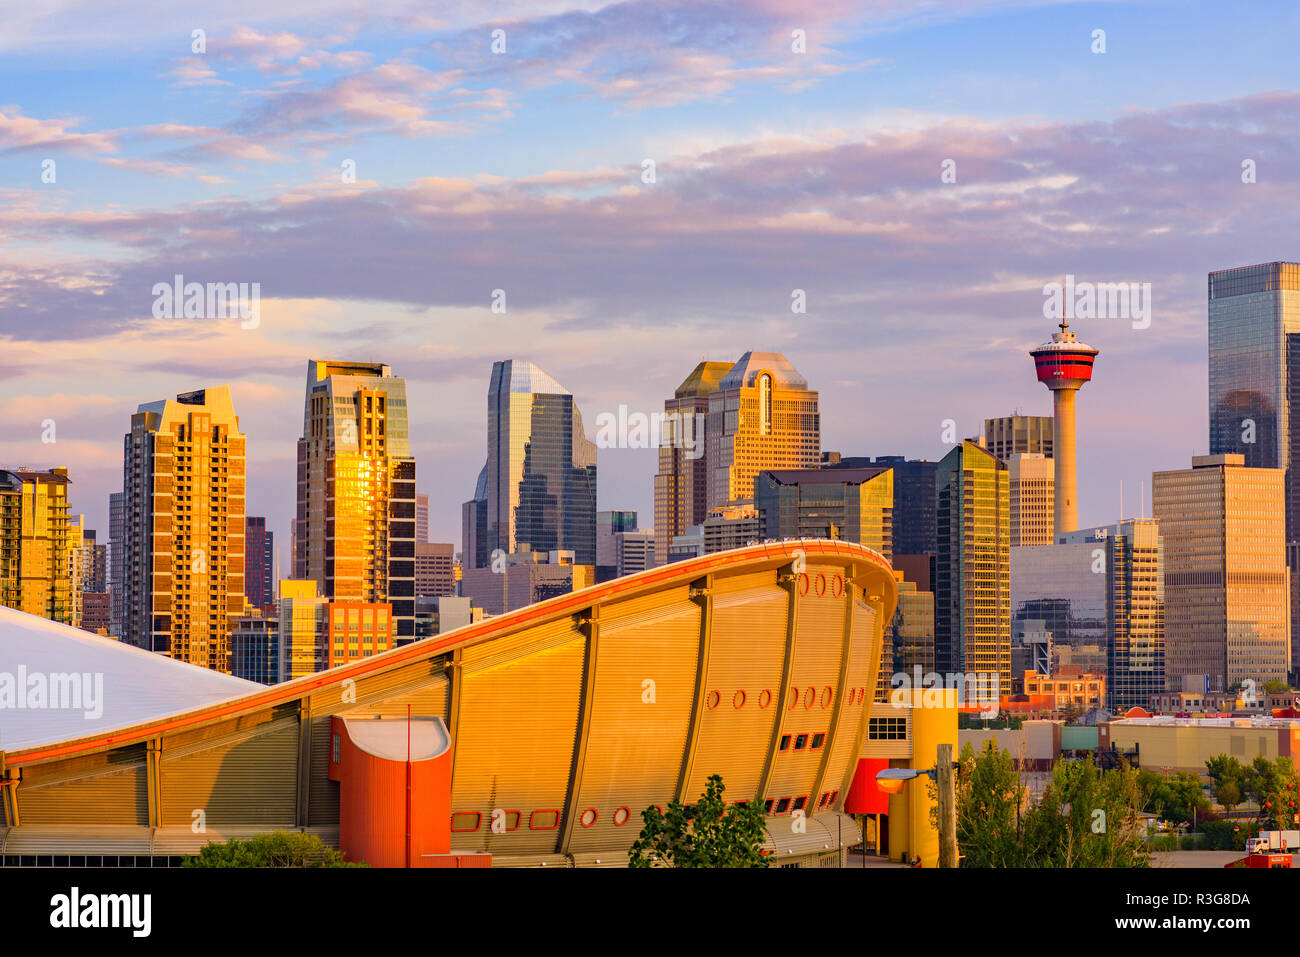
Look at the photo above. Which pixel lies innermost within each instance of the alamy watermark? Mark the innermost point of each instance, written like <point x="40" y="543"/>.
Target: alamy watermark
<point x="215" y="300"/>
<point x="927" y="690"/>
<point x="54" y="691"/>
<point x="639" y="430"/>
<point x="1098" y="300"/>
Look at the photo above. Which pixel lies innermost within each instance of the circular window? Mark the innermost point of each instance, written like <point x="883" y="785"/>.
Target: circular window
<point x="803" y="583"/>
<point x="621" y="816"/>
<point x="809" y="697"/>
<point x="827" y="694"/>
<point x="738" y="699"/>
<point x="713" y="699"/>
<point x="588" y="817"/>
<point x="764" y="698"/>
<point x="821" y="584"/>
<point x="837" y="586"/>
<point x="794" y="698"/>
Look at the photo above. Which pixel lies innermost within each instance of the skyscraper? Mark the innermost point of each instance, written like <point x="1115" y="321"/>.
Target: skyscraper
<point x="259" y="561"/>
<point x="972" y="567"/>
<point x="538" y="486"/>
<point x="421" y="518"/>
<point x="1226" y="583"/>
<point x="1099" y="592"/>
<point x="681" y="485"/>
<point x="35" y="556"/>
<point x="183" y="478"/>
<point x="1031" y="475"/>
<point x="1006" y="435"/>
<point x="761" y="416"/>
<point x="434" y="575"/>
<point x="116" y="561"/>
<point x="1254" y="353"/>
<point x="912" y="521"/>
<point x="354" y="534"/>
<point x="855" y="505"/>
<point x="1064" y="365"/>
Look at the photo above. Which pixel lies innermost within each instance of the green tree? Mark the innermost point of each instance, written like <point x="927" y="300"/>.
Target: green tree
<point x="1228" y="793"/>
<point x="276" y="849"/>
<point x="989" y="801"/>
<point x="707" y="834"/>
<point x="1226" y="768"/>
<point x="1087" y="818"/>
<point x="1179" y="798"/>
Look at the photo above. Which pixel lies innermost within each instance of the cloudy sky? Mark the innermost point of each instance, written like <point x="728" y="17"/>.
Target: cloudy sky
<point x="782" y="160"/>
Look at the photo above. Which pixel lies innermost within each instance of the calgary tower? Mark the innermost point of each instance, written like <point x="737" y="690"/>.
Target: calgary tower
<point x="1064" y="364"/>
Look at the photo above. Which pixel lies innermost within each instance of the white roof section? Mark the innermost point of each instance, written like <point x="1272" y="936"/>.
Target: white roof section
<point x="58" y="683"/>
<point x="388" y="737"/>
<point x="746" y="371"/>
<point x="520" y="375"/>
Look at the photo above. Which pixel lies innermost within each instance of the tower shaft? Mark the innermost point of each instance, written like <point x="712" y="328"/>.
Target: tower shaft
<point x="1067" y="503"/>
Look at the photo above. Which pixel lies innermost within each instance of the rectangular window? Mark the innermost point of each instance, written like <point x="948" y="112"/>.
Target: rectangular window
<point x="782" y="805"/>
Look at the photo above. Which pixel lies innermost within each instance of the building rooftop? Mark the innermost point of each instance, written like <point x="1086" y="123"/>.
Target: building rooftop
<point x="117" y="685"/>
<point x="746" y="371"/>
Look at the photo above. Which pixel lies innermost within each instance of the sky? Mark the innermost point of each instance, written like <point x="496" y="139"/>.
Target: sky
<point x="381" y="168"/>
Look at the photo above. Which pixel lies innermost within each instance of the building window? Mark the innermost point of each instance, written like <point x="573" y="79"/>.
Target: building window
<point x="801" y="742"/>
<point x="887" y="729"/>
<point x="785" y="743"/>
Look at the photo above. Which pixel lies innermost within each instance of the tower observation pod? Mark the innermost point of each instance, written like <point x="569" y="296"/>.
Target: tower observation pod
<point x="1064" y="364"/>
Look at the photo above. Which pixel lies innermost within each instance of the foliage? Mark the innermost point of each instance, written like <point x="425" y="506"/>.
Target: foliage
<point x="1228" y="793"/>
<point x="1276" y="687"/>
<point x="1179" y="798"/>
<point x="1085" y="818"/>
<point x="707" y="834"/>
<point x="277" y="849"/>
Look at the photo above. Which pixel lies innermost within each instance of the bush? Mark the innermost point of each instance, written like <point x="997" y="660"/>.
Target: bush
<point x="277" y="849"/>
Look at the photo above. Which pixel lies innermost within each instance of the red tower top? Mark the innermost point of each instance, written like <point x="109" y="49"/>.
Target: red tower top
<point x="1064" y="362"/>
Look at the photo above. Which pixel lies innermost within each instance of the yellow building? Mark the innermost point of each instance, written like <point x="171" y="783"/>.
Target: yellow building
<point x="1226" y="583"/>
<point x="564" y="720"/>
<point x="354" y="533"/>
<point x="183" y="482"/>
<point x="972" y="601"/>
<point x="1033" y="506"/>
<point x="35" y="573"/>
<point x="762" y="416"/>
<point x="681" y="485"/>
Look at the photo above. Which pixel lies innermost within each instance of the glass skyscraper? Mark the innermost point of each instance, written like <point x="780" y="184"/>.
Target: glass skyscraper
<point x="538" y="486"/>
<point x="1254" y="350"/>
<point x="972" y="620"/>
<point x="354" y="533"/>
<point x="1100" y="593"/>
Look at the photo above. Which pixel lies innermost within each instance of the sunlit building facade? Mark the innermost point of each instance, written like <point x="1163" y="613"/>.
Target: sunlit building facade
<point x="1226" y="584"/>
<point x="35" y="557"/>
<point x="183" y="479"/>
<point x="681" y="485"/>
<point x="1032" y="478"/>
<point x="354" y="532"/>
<point x="972" y="602"/>
<point x="762" y="416"/>
<point x="538" y="486"/>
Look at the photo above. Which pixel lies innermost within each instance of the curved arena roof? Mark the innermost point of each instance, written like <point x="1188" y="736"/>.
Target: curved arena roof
<point x="572" y="715"/>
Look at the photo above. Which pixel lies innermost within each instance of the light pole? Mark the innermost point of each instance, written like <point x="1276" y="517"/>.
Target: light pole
<point x="893" y="780"/>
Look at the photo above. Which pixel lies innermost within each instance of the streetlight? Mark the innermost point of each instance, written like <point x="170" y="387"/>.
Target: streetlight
<point x="894" y="780"/>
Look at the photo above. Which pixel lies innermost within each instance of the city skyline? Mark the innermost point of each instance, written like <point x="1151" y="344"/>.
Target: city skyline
<point x="892" y="259"/>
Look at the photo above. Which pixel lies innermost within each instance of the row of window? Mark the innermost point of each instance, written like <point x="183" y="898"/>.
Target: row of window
<point x="501" y="821"/>
<point x="809" y="697"/>
<point x="801" y="742"/>
<point x="789" y="805"/>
